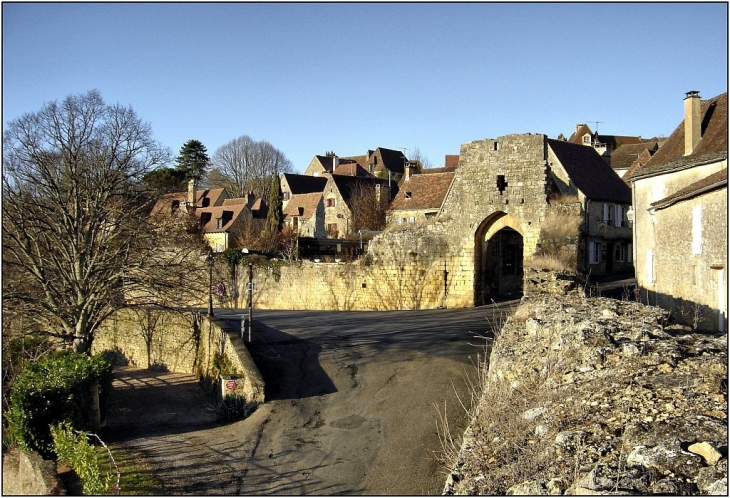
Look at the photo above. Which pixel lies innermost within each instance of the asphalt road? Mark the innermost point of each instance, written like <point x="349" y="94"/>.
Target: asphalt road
<point x="353" y="402"/>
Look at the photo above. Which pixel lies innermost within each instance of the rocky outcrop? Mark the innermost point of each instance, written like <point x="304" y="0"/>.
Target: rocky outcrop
<point x="597" y="396"/>
<point x="27" y="473"/>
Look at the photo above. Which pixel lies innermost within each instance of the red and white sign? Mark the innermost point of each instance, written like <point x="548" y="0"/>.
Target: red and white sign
<point x="230" y="385"/>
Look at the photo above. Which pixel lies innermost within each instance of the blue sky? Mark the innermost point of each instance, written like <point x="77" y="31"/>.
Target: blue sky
<point x="349" y="77"/>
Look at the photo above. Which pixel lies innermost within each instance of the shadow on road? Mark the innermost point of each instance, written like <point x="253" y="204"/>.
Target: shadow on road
<point x="152" y="403"/>
<point x="289" y="365"/>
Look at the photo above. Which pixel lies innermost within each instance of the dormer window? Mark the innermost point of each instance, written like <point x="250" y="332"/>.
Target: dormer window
<point x="586" y="139"/>
<point x="204" y="218"/>
<point x="175" y="206"/>
<point x="206" y="202"/>
<point x="408" y="195"/>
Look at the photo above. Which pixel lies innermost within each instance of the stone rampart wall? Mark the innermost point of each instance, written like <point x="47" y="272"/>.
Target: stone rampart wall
<point x="184" y="342"/>
<point x="27" y="473"/>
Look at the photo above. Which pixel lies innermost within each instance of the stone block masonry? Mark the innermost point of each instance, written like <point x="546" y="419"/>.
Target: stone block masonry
<point x="500" y="184"/>
<point x="184" y="342"/>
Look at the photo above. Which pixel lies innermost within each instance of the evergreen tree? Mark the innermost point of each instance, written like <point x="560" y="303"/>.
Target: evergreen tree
<point x="193" y="160"/>
<point x="275" y="216"/>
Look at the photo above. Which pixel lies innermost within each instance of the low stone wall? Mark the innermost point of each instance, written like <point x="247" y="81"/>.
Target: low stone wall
<point x="27" y="473"/>
<point x="185" y="342"/>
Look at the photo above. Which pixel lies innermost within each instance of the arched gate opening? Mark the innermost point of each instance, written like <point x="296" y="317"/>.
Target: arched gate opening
<point x="498" y="260"/>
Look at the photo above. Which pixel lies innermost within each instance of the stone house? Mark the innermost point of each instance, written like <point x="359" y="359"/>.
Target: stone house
<point x="419" y="198"/>
<point x="219" y="219"/>
<point x="321" y="165"/>
<point x="680" y="217"/>
<point x="606" y="240"/>
<point x="180" y="202"/>
<point x="292" y="184"/>
<point x="348" y="197"/>
<point x="304" y="214"/>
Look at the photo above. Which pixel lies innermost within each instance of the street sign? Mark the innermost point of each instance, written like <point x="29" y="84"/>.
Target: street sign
<point x="251" y="286"/>
<point x="230" y="384"/>
<point x="220" y="289"/>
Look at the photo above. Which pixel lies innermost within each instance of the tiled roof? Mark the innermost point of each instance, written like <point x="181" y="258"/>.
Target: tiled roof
<point x="589" y="173"/>
<point x="624" y="156"/>
<point x="211" y="226"/>
<point x="164" y="203"/>
<point x="712" y="182"/>
<point x="305" y="184"/>
<point x="422" y="192"/>
<point x="392" y="160"/>
<point x="303" y="205"/>
<point x="351" y="169"/>
<point x="577" y="136"/>
<point x="711" y="147"/>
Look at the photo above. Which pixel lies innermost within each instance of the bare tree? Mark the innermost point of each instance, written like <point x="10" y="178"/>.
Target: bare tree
<point x="418" y="157"/>
<point x="243" y="165"/>
<point x="77" y="239"/>
<point x="368" y="208"/>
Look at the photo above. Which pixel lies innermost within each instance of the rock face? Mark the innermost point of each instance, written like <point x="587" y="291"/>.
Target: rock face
<point x="597" y="396"/>
<point x="27" y="473"/>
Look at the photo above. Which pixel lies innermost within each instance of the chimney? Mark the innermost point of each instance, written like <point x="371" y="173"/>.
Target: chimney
<point x="191" y="192"/>
<point x="692" y="121"/>
<point x="408" y="171"/>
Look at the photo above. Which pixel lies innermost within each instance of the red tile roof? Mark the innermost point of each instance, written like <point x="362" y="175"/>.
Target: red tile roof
<point x="303" y="205"/>
<point x="422" y="192"/>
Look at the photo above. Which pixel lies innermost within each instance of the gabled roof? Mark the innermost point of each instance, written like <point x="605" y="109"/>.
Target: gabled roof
<point x="305" y="184"/>
<point x="351" y="169"/>
<point x="392" y="160"/>
<point x="303" y="205"/>
<point x="347" y="185"/>
<point x="589" y="173"/>
<point x="624" y="156"/>
<point x="229" y="213"/>
<point x="712" y="147"/>
<point x="577" y="136"/>
<point x="164" y="203"/>
<point x="422" y="192"/>
<point x="708" y="184"/>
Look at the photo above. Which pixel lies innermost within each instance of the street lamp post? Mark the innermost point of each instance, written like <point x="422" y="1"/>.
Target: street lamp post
<point x="210" y="260"/>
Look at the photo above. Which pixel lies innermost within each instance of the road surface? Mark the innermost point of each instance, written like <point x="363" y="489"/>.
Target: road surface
<point x="353" y="401"/>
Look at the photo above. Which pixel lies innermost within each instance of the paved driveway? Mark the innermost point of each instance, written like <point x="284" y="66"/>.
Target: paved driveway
<point x="352" y="406"/>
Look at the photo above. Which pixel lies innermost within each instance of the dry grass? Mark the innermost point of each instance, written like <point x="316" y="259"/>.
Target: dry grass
<point x="551" y="262"/>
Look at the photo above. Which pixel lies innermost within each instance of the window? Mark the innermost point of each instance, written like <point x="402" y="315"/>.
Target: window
<point x="619" y="215"/>
<point x="586" y="139"/>
<point x="501" y="184"/>
<point x="697" y="230"/>
<point x="332" y="230"/>
<point x="219" y="223"/>
<point x="629" y="253"/>
<point x="608" y="214"/>
<point x="218" y="247"/>
<point x="295" y="223"/>
<point x="204" y="218"/>
<point x="286" y="196"/>
<point x="329" y="202"/>
<point x="594" y="253"/>
<point x="619" y="253"/>
<point x="175" y="206"/>
<point x="408" y="195"/>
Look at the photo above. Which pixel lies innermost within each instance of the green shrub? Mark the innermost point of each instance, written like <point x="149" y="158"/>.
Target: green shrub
<point x="56" y="389"/>
<point x="73" y="448"/>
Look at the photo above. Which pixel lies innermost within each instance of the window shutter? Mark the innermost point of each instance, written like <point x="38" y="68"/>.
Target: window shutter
<point x="619" y="215"/>
<point x="629" y="253"/>
<point x="605" y="212"/>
